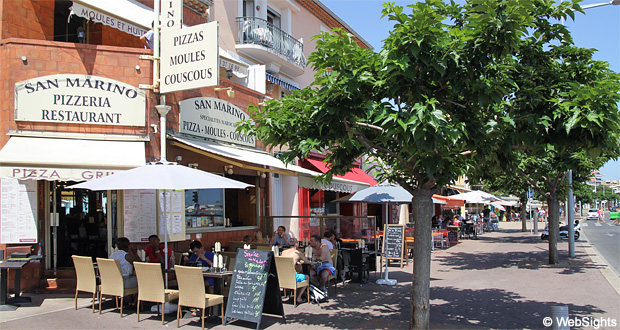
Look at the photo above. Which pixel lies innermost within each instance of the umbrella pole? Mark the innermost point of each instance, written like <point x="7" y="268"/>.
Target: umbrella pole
<point x="165" y="239"/>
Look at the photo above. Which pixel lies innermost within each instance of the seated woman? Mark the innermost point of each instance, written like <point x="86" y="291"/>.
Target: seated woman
<point x="126" y="257"/>
<point x="204" y="258"/>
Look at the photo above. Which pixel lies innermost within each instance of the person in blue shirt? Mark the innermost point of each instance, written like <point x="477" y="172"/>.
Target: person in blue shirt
<point x="205" y="258"/>
<point x="280" y="237"/>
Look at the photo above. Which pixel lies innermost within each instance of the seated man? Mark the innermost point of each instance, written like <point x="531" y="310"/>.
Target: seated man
<point x="155" y="251"/>
<point x="280" y="237"/>
<point x="299" y="259"/>
<point x="204" y="258"/>
<point x="324" y="268"/>
<point x="126" y="256"/>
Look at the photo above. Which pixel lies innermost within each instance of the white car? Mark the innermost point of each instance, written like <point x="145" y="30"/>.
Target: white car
<point x="592" y="214"/>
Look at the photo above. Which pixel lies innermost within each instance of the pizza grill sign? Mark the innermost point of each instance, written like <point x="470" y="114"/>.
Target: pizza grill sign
<point x="79" y="99"/>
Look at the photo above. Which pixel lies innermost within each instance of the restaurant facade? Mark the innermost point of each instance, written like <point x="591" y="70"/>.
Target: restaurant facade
<point x="78" y="103"/>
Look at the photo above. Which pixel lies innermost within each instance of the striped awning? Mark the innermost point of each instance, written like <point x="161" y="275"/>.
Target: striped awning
<point x="280" y="82"/>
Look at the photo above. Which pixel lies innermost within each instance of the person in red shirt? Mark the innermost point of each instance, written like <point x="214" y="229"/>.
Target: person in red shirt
<point x="155" y="250"/>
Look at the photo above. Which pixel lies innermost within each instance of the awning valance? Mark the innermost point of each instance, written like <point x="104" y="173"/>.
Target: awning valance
<point x="67" y="159"/>
<point x="125" y="15"/>
<point x="356" y="174"/>
<point x="280" y="82"/>
<point x="307" y="180"/>
<point x="236" y="156"/>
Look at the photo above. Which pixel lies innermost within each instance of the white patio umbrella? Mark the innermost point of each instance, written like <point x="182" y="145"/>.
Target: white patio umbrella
<point x="381" y="194"/>
<point x="162" y="175"/>
<point x="477" y="197"/>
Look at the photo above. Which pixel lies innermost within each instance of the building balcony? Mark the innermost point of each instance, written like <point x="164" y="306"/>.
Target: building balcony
<point x="271" y="46"/>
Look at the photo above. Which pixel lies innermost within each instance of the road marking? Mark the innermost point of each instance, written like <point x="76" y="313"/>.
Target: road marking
<point x="597" y="224"/>
<point x="584" y="225"/>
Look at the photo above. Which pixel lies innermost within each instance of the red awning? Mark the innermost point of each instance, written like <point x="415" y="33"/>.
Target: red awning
<point x="450" y="202"/>
<point x="356" y="174"/>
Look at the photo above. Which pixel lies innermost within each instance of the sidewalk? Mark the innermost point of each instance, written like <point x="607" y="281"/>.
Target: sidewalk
<point x="498" y="281"/>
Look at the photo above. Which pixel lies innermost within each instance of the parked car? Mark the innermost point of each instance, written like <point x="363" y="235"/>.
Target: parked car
<point x="592" y="214"/>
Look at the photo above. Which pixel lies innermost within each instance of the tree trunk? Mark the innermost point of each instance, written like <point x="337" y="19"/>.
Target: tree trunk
<point x="523" y="214"/>
<point x="420" y="302"/>
<point x="554" y="227"/>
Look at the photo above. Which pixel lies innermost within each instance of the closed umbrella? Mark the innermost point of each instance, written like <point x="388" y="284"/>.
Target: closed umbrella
<point x="162" y="175"/>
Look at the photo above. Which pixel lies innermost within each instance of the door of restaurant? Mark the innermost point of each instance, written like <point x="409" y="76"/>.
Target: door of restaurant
<point x="83" y="223"/>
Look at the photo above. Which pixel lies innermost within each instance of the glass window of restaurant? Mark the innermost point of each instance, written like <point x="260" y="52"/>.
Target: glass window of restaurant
<point x="208" y="209"/>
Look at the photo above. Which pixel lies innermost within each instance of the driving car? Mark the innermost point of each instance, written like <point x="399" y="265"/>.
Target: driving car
<point x="592" y="214"/>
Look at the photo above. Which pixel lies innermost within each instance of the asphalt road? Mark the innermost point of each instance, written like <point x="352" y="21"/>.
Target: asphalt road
<point x="605" y="238"/>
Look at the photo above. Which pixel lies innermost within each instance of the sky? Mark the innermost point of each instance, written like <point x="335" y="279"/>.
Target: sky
<point x="599" y="28"/>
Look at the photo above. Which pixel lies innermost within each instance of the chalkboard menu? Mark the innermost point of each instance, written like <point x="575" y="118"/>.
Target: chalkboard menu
<point x="393" y="242"/>
<point x="254" y="289"/>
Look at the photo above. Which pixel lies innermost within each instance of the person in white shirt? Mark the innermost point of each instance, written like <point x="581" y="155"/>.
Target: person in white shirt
<point x="126" y="257"/>
<point x="328" y="239"/>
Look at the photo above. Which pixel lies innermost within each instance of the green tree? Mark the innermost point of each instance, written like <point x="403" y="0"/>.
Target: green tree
<point x="565" y="115"/>
<point x="429" y="106"/>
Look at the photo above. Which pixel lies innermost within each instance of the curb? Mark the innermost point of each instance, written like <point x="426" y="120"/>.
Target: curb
<point x="608" y="273"/>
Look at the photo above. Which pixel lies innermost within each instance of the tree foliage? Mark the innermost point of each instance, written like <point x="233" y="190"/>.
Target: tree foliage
<point x="454" y="86"/>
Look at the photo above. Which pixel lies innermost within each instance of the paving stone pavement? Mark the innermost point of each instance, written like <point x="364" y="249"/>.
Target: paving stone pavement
<point x="500" y="281"/>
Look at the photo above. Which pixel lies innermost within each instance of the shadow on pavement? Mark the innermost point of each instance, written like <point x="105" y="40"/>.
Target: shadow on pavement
<point x="494" y="308"/>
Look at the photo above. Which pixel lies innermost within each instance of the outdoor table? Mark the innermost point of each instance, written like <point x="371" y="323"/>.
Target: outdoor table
<point x="217" y="278"/>
<point x="5" y="303"/>
<point x="368" y="258"/>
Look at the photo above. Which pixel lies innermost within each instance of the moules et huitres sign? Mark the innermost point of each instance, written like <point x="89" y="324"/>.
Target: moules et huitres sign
<point x="79" y="99"/>
<point x="212" y="118"/>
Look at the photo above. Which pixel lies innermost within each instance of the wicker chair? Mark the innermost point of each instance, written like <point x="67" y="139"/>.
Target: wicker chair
<point x="151" y="286"/>
<point x="286" y="276"/>
<point x="192" y="292"/>
<point x="112" y="281"/>
<point x="86" y="279"/>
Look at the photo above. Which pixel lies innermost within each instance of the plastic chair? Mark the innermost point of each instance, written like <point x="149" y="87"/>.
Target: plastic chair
<point x="287" y="277"/>
<point x="151" y="286"/>
<point x="112" y="281"/>
<point x="86" y="279"/>
<point x="192" y="292"/>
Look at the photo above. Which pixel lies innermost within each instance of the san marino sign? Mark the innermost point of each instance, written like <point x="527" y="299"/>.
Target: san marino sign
<point x="79" y="99"/>
<point x="212" y="118"/>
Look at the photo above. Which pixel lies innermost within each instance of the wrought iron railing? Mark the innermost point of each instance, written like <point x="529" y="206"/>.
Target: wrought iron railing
<point x="257" y="31"/>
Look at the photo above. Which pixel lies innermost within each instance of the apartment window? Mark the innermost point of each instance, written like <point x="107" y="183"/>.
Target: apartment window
<point x="248" y="8"/>
<point x="273" y="17"/>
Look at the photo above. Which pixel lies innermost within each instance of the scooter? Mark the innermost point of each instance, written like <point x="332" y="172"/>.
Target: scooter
<point x="563" y="231"/>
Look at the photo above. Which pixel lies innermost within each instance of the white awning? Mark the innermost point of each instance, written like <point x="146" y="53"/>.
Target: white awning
<point x="306" y="180"/>
<point x="217" y="151"/>
<point x="261" y="158"/>
<point x="227" y="61"/>
<point x="67" y="159"/>
<point x="128" y="16"/>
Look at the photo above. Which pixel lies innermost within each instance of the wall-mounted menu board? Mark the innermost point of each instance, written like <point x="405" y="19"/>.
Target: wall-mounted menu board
<point x="254" y="289"/>
<point x="139" y="213"/>
<point x="394" y="242"/>
<point x="18" y="215"/>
